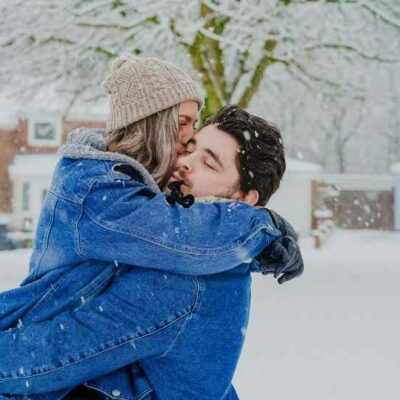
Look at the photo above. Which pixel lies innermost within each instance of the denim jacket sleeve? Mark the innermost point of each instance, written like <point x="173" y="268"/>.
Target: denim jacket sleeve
<point x="140" y="315"/>
<point x="124" y="222"/>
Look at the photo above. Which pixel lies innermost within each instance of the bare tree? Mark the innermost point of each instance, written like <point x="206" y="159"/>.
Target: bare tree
<point x="341" y="129"/>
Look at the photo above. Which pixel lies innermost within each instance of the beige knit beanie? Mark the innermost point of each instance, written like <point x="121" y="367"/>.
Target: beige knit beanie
<point x="139" y="87"/>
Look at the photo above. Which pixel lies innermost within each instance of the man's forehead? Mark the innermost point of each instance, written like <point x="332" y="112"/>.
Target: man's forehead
<point x="212" y="136"/>
<point x="211" y="139"/>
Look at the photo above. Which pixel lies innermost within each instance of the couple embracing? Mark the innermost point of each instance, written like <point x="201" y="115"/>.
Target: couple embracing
<point x="139" y="282"/>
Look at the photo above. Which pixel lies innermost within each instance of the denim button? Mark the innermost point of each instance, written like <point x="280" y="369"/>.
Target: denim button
<point x="116" y="393"/>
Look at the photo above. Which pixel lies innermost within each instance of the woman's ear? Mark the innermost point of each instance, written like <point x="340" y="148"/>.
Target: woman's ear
<point x="250" y="197"/>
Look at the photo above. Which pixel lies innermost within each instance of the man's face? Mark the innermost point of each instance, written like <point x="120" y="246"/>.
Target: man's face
<point x="188" y="113"/>
<point x="208" y="165"/>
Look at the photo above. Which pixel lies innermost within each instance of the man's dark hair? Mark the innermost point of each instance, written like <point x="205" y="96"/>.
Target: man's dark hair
<point x="261" y="159"/>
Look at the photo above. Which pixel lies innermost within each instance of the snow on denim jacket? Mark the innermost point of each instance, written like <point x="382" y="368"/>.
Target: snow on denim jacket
<point x="95" y="224"/>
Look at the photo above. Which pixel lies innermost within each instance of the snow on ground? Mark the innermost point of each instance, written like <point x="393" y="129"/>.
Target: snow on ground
<point x="13" y="267"/>
<point x="333" y="334"/>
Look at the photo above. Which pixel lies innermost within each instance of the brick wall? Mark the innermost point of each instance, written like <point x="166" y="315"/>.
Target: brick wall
<point x="8" y="146"/>
<point x="364" y="209"/>
<point x="14" y="141"/>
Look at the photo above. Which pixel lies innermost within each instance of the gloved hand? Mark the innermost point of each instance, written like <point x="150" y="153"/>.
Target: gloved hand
<point x="283" y="257"/>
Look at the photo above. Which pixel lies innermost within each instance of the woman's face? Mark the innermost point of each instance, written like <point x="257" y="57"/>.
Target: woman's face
<point x="188" y="114"/>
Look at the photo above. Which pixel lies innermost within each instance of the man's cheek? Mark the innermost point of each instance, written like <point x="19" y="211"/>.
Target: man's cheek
<point x="185" y="190"/>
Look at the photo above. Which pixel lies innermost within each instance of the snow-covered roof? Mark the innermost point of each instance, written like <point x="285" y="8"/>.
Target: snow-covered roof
<point x="375" y="182"/>
<point x="395" y="168"/>
<point x="33" y="166"/>
<point x="295" y="165"/>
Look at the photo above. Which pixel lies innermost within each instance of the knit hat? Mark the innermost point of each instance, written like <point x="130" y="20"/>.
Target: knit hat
<point x="139" y="87"/>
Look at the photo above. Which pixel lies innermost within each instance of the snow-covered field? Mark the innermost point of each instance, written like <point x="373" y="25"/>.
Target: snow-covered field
<point x="333" y="334"/>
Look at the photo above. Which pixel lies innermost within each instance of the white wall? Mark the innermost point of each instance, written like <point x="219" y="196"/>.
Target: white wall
<point x="293" y="201"/>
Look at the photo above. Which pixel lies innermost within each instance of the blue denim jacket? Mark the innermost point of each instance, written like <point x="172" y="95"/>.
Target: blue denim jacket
<point x="85" y="314"/>
<point x="187" y="332"/>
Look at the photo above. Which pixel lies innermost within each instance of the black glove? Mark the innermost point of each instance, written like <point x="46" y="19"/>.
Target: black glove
<point x="282" y="257"/>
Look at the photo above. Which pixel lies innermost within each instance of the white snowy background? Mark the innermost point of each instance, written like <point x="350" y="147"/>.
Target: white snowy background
<point x="333" y="334"/>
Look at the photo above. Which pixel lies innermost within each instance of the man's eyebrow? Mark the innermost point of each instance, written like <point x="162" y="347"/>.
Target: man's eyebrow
<point x="215" y="157"/>
<point x="209" y="152"/>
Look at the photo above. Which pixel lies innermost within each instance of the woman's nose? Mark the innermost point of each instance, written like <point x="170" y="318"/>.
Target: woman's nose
<point x="186" y="133"/>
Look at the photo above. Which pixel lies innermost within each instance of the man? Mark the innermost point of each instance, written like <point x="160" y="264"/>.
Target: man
<point x="187" y="332"/>
<point x="236" y="156"/>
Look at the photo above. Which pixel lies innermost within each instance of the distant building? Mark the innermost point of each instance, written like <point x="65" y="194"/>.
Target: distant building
<point x="396" y="171"/>
<point x="27" y="159"/>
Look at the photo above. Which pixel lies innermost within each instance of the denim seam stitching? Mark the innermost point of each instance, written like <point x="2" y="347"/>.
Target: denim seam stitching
<point x="191" y="250"/>
<point x="48" y="295"/>
<point x="77" y="236"/>
<point x="194" y="305"/>
<point x="148" y="391"/>
<point x="108" y="170"/>
<point x="99" y="352"/>
<point x="46" y="240"/>
<point x="95" y="285"/>
<point x="92" y="288"/>
<point x="65" y="197"/>
<point x="173" y="340"/>
<point x="105" y="393"/>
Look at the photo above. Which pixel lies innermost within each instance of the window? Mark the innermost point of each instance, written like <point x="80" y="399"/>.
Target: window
<point x="44" y="131"/>
<point x="25" y="196"/>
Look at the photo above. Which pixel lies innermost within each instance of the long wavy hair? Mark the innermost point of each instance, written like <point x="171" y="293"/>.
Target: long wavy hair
<point x="153" y="141"/>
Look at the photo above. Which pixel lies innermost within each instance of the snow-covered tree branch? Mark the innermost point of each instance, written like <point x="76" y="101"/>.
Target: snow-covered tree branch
<point x="234" y="48"/>
<point x="230" y="44"/>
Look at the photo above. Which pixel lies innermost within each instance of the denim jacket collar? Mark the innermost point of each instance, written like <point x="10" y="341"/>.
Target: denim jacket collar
<point x="91" y="143"/>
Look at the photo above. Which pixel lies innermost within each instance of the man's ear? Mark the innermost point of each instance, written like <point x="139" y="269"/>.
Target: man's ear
<point x="250" y="197"/>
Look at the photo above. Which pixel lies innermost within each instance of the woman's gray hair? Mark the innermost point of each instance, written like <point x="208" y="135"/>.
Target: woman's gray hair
<point x="153" y="141"/>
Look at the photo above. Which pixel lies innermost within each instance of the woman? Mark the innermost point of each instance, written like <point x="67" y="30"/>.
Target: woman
<point x="104" y="211"/>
